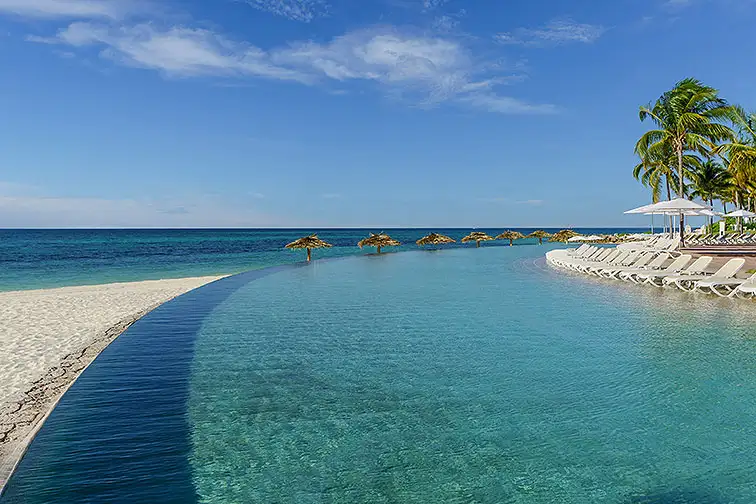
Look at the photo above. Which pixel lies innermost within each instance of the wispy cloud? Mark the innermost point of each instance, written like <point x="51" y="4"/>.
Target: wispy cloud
<point x="177" y="51"/>
<point x="84" y="9"/>
<point x="557" y="32"/>
<point x="426" y="70"/>
<point x="433" y="4"/>
<point x="296" y="10"/>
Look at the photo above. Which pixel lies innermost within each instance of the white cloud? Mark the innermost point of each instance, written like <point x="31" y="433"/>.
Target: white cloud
<point x="176" y="51"/>
<point x="426" y="70"/>
<point x="296" y="10"/>
<point x="556" y="32"/>
<point x="66" y="8"/>
<point x="433" y="4"/>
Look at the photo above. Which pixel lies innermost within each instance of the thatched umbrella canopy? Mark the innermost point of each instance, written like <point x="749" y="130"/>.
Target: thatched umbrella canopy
<point x="511" y="236"/>
<point x="477" y="237"/>
<point x="563" y="236"/>
<point x="378" y="240"/>
<point x="540" y="234"/>
<point x="435" y="239"/>
<point x="309" y="243"/>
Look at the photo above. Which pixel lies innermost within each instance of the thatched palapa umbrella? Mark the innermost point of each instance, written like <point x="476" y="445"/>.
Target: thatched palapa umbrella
<point x="477" y="237"/>
<point x="540" y="234"/>
<point x="435" y="239"/>
<point x="563" y="236"/>
<point x="511" y="236"/>
<point x="378" y="240"/>
<point x="309" y="243"/>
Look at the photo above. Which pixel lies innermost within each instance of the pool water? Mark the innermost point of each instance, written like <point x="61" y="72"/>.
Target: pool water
<point x="470" y="376"/>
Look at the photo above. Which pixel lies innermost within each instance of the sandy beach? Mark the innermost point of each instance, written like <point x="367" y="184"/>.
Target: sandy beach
<point x="49" y="336"/>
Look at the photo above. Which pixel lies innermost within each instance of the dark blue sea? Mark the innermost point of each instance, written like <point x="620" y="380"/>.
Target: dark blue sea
<point x="34" y="259"/>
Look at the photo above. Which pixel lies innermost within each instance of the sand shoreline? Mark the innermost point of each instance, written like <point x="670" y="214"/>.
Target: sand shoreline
<point x="50" y="336"/>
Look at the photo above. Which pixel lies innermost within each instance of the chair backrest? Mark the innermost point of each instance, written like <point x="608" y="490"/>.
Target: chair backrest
<point x="613" y="256"/>
<point x="673" y="244"/>
<point x="582" y="248"/>
<point x="661" y="243"/>
<point x="641" y="260"/>
<point x="659" y="261"/>
<point x="593" y="251"/>
<point x="678" y="264"/>
<point x="630" y="258"/>
<point x="730" y="268"/>
<point x="604" y="254"/>
<point x="699" y="265"/>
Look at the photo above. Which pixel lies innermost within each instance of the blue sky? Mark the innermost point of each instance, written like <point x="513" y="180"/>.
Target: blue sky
<point x="373" y="113"/>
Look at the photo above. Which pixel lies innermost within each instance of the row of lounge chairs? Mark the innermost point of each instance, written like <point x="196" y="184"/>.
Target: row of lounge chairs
<point x="660" y="268"/>
<point x="716" y="239"/>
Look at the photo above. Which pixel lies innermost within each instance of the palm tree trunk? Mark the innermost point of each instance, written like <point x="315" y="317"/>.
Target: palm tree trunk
<point x="682" y="191"/>
<point x="309" y="256"/>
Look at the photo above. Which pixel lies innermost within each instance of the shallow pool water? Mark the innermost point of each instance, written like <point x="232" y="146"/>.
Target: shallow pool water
<point x="471" y="376"/>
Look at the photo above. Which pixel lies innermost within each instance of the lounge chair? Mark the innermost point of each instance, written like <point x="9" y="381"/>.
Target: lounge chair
<point x="654" y="265"/>
<point x="641" y="277"/>
<point x="657" y="278"/>
<point x="746" y="290"/>
<point x="639" y="262"/>
<point x="617" y="260"/>
<point x="688" y="282"/>
<point x="726" y="287"/>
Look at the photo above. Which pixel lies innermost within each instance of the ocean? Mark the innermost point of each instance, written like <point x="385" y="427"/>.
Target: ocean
<point x="37" y="259"/>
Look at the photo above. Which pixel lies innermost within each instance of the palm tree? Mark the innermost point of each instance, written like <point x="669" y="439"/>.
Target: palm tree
<point x="739" y="156"/>
<point x="309" y="243"/>
<point x="710" y="181"/>
<point x="434" y="239"/>
<point x="477" y="237"/>
<point x="511" y="236"/>
<point x="688" y="118"/>
<point x="540" y="234"/>
<point x="378" y="240"/>
<point x="563" y="236"/>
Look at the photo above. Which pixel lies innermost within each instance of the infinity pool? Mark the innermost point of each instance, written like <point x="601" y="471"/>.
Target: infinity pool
<point x="468" y="375"/>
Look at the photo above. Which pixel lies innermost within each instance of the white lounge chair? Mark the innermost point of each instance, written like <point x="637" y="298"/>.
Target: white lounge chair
<point x="614" y="260"/>
<point x="640" y="261"/>
<point x="746" y="290"/>
<point x="653" y="276"/>
<point x="655" y="265"/>
<point x="696" y="268"/>
<point x="725" y="287"/>
<point x="688" y="282"/>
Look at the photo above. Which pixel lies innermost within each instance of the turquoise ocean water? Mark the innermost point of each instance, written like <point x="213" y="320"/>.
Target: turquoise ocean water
<point x="459" y="376"/>
<point x="32" y="259"/>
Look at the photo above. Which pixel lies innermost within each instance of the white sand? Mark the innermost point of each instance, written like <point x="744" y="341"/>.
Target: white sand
<point x="48" y="337"/>
<point x="38" y="328"/>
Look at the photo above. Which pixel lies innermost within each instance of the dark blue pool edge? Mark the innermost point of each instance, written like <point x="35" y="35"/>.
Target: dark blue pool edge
<point x="228" y="284"/>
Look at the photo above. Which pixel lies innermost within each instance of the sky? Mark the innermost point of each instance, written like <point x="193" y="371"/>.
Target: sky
<point x="345" y="113"/>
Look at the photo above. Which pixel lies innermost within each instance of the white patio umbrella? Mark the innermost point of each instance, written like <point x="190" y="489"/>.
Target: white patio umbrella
<point x="678" y="206"/>
<point x="644" y="210"/>
<point x="741" y="213"/>
<point x="675" y="206"/>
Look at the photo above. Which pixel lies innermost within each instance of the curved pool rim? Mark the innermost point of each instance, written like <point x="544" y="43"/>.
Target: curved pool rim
<point x="143" y="328"/>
